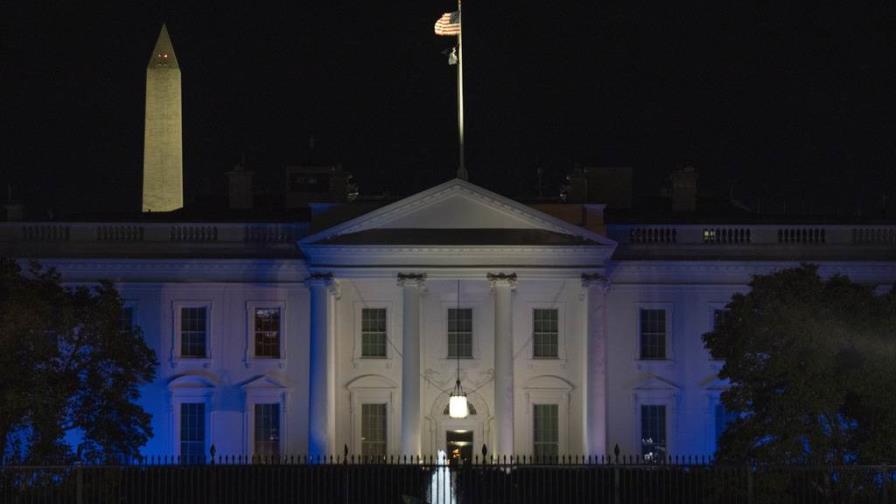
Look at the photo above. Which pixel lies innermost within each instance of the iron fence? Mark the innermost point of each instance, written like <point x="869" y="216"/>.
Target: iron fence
<point x="619" y="480"/>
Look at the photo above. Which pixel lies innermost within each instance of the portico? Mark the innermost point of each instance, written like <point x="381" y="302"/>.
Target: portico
<point x="404" y="275"/>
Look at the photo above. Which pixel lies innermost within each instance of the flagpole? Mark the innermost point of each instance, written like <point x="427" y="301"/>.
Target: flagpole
<point x="461" y="170"/>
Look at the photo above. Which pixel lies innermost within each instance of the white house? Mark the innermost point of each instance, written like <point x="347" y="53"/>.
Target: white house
<point x="276" y="339"/>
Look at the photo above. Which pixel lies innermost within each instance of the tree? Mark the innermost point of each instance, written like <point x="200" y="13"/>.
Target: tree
<point x="68" y="363"/>
<point x="812" y="370"/>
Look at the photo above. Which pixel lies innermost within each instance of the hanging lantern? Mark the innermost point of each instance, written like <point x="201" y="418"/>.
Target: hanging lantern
<point x="457" y="402"/>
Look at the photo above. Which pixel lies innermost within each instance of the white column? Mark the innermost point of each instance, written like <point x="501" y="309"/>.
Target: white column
<point x="502" y="284"/>
<point x="320" y="441"/>
<point x="411" y="287"/>
<point x="595" y="287"/>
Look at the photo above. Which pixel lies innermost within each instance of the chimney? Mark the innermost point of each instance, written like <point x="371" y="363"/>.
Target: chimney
<point x="577" y="187"/>
<point x="684" y="190"/>
<point x="239" y="188"/>
<point x="611" y="185"/>
<point x="15" y="210"/>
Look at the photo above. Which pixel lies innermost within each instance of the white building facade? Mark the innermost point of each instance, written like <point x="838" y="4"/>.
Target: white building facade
<point x="275" y="339"/>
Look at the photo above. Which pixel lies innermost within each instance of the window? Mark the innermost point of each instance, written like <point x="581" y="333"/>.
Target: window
<point x="373" y="429"/>
<point x="723" y="418"/>
<point x="653" y="430"/>
<point x="192" y="432"/>
<point x="653" y="334"/>
<point x="126" y="320"/>
<point x="267" y="332"/>
<point x="546" y="432"/>
<point x="193" y="329"/>
<point x="460" y="333"/>
<point x="544" y="333"/>
<point x="267" y="430"/>
<point x="373" y="332"/>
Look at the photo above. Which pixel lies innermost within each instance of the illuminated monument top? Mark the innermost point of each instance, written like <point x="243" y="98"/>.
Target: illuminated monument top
<point x="163" y="138"/>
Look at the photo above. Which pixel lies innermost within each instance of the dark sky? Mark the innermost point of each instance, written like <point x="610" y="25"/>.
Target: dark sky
<point x="792" y="100"/>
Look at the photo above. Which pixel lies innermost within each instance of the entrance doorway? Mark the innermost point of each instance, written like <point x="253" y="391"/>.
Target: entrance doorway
<point x="460" y="444"/>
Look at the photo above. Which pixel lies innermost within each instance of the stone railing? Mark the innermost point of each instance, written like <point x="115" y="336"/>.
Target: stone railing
<point x="106" y="234"/>
<point x="760" y="234"/>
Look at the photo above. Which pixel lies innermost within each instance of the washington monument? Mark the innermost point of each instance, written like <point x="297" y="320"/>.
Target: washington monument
<point x="163" y="164"/>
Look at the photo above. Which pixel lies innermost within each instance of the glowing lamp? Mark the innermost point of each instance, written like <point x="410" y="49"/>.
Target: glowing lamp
<point x="457" y="403"/>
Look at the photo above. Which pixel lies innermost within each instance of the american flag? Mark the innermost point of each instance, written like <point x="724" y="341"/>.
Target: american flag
<point x="448" y="25"/>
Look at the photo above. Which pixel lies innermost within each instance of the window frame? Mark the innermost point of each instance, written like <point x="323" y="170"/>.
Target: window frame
<point x="250" y="358"/>
<point x="176" y="339"/>
<point x="190" y="389"/>
<point x="529" y="327"/>
<point x="129" y="304"/>
<point x="535" y="442"/>
<point x="669" y="341"/>
<point x="556" y="355"/>
<point x="654" y="395"/>
<point x="391" y="329"/>
<point x="264" y="390"/>
<point x="447" y="333"/>
<point x="372" y="389"/>
<point x="547" y="390"/>
<point x="254" y="431"/>
<point x="385" y="430"/>
<point x="711" y="310"/>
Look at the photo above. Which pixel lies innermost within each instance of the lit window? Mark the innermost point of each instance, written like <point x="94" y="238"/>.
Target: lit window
<point x="546" y="430"/>
<point x="460" y="333"/>
<point x="653" y="431"/>
<point x="192" y="432"/>
<point x="544" y="333"/>
<point x="193" y="331"/>
<point x="267" y="332"/>
<point x="373" y="332"/>
<point x="653" y="334"/>
<point x="373" y="429"/>
<point x="709" y="235"/>
<point x="267" y="430"/>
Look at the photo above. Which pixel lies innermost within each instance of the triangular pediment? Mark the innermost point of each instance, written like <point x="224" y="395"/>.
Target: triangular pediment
<point x="263" y="382"/>
<point x="457" y="206"/>
<point x="456" y="224"/>
<point x="656" y="383"/>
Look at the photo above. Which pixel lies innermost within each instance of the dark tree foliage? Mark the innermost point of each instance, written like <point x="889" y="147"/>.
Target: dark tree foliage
<point x="67" y="362"/>
<point x="812" y="370"/>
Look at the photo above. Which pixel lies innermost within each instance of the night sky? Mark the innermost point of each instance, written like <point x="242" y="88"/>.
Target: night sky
<point x="775" y="100"/>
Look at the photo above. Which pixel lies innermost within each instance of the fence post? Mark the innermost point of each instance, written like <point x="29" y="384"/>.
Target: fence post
<point x="79" y="485"/>
<point x="750" y="496"/>
<point x="616" y="481"/>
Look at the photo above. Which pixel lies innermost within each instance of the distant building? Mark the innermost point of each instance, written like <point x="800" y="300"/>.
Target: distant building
<point x="577" y="327"/>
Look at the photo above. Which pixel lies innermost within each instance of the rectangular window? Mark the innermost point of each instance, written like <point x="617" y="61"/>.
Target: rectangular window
<point x="653" y="334"/>
<point x="544" y="333"/>
<point x="126" y="321"/>
<point x="193" y="329"/>
<point x="460" y="333"/>
<point x="546" y="433"/>
<point x="192" y="432"/>
<point x="267" y="332"/>
<point x="653" y="430"/>
<point x="267" y="430"/>
<point x="373" y="429"/>
<point x="373" y="332"/>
